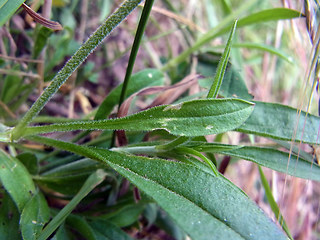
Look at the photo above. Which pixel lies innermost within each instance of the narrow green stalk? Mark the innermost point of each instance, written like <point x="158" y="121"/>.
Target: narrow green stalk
<point x="135" y="48"/>
<point x="273" y="203"/>
<point x="214" y="90"/>
<point x="145" y="150"/>
<point x="82" y="53"/>
<point x="204" y="158"/>
<point x="174" y="143"/>
<point x="93" y="180"/>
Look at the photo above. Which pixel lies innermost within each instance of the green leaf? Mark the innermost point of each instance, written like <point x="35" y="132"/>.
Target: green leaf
<point x="273" y="14"/>
<point x="211" y="147"/>
<point x="258" y="46"/>
<point x="213" y="92"/>
<point x="106" y="230"/>
<point x="142" y="79"/>
<point x="16" y="180"/>
<point x="9" y="219"/>
<point x="2" y="2"/>
<point x="8" y="8"/>
<point x="34" y="216"/>
<point x="69" y="177"/>
<point x="281" y="122"/>
<point x="265" y="48"/>
<point x="233" y="84"/>
<point x="203" y="117"/>
<point x="278" y="160"/>
<point x="79" y="167"/>
<point x="93" y="180"/>
<point x="80" y="56"/>
<point x="205" y="206"/>
<point x="273" y="204"/>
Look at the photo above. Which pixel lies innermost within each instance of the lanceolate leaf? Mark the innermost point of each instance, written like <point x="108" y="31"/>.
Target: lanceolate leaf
<point x="278" y="160"/>
<point x="194" y="118"/>
<point x="205" y="206"/>
<point x="280" y="122"/>
<point x="16" y="180"/>
<point x="233" y="84"/>
<point x="274" y="14"/>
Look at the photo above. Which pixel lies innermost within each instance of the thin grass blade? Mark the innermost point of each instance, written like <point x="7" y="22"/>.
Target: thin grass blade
<point x="93" y="180"/>
<point x="214" y="90"/>
<point x="273" y="204"/>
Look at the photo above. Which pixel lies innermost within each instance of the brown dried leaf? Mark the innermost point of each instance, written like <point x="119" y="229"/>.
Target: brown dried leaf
<point x="41" y="20"/>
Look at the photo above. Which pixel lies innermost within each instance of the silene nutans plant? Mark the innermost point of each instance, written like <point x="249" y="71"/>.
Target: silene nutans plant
<point x="159" y="119"/>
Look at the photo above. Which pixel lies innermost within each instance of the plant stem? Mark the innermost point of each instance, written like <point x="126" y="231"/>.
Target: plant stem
<point x="200" y="155"/>
<point x="81" y="54"/>
<point x="174" y="143"/>
<point x="135" y="48"/>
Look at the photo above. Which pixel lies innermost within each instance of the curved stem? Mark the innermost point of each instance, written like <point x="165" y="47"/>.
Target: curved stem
<point x="174" y="143"/>
<point x="200" y="155"/>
